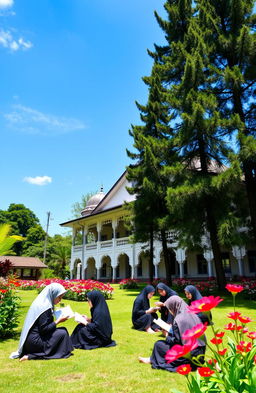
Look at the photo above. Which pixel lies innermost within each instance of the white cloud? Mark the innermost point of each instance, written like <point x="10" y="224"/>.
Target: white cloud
<point x="32" y="121"/>
<point x="6" y="3"/>
<point x="38" y="180"/>
<point x="7" y="41"/>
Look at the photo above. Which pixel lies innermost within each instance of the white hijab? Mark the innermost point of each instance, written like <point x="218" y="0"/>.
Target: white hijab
<point x="43" y="302"/>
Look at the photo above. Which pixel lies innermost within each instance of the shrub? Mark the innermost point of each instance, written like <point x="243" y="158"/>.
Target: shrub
<point x="128" y="283"/>
<point x="9" y="307"/>
<point x="5" y="267"/>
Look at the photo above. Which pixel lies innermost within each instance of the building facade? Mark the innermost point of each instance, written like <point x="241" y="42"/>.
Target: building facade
<point x="101" y="248"/>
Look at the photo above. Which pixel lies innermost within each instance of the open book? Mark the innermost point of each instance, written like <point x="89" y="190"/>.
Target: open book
<point x="64" y="312"/>
<point x="80" y="318"/>
<point x="163" y="325"/>
<point x="68" y="312"/>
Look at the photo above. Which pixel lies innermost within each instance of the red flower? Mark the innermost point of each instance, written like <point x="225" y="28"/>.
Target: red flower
<point x="177" y="351"/>
<point x="244" y="347"/>
<point x="222" y="352"/>
<point x="220" y="334"/>
<point x="216" y="341"/>
<point x="212" y="361"/>
<point x="252" y="335"/>
<point x="234" y="315"/>
<point x="204" y="304"/>
<point x="196" y="332"/>
<point x="230" y="326"/>
<point x="205" y="371"/>
<point x="184" y="369"/>
<point x="244" y="319"/>
<point x="234" y="289"/>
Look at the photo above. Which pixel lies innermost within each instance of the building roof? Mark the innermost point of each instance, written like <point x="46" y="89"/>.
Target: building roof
<point x="27" y="262"/>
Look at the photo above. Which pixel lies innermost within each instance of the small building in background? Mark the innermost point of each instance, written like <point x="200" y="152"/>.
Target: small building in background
<point x="25" y="268"/>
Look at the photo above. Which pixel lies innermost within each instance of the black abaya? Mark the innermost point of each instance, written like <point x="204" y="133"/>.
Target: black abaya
<point x="45" y="341"/>
<point x="141" y="320"/>
<point x="162" y="346"/>
<point x="98" y="332"/>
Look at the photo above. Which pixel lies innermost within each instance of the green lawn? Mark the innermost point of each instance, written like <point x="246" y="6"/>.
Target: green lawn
<point x="111" y="369"/>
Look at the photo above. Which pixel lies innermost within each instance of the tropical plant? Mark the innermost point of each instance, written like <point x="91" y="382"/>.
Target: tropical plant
<point x="7" y="241"/>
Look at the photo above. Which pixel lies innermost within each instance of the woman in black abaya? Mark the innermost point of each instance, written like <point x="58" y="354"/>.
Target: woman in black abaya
<point x="192" y="294"/>
<point x="183" y="320"/>
<point x="142" y="313"/>
<point x="97" y="331"/>
<point x="40" y="338"/>
<point x="165" y="292"/>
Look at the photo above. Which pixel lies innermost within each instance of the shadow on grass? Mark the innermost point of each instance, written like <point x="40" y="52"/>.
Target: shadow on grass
<point x="14" y="336"/>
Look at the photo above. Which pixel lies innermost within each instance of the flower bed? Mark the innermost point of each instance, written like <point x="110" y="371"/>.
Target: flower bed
<point x="128" y="283"/>
<point x="232" y="363"/>
<point x="9" y="308"/>
<point x="206" y="287"/>
<point x="76" y="289"/>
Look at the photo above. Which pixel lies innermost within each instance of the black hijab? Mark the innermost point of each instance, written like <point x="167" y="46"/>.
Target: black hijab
<point x="100" y="314"/>
<point x="143" y="299"/>
<point x="196" y="295"/>
<point x="169" y="292"/>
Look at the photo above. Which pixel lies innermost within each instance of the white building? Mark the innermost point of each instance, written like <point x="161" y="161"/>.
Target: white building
<point x="101" y="248"/>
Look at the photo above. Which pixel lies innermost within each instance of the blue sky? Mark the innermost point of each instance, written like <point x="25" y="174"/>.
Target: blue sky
<point x="70" y="73"/>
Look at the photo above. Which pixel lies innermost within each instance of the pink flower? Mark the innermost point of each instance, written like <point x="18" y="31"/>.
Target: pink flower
<point x="196" y="332"/>
<point x="204" y="304"/>
<point x="178" y="351"/>
<point x="230" y="326"/>
<point x="234" y="289"/>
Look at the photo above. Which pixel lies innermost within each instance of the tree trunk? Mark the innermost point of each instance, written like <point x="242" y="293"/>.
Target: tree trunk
<point x="212" y="228"/>
<point x="151" y="257"/>
<point x="167" y="259"/>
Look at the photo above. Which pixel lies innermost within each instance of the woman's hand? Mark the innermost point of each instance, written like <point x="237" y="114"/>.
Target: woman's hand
<point x="159" y="304"/>
<point x="151" y="310"/>
<point x="61" y="319"/>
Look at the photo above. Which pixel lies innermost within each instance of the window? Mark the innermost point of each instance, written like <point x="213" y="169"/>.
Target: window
<point x="226" y="262"/>
<point x="201" y="264"/>
<point x="139" y="269"/>
<point x="118" y="271"/>
<point x="252" y="261"/>
<point x="103" y="270"/>
<point x="104" y="238"/>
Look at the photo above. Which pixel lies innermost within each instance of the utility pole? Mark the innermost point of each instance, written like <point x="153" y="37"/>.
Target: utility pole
<point x="46" y="234"/>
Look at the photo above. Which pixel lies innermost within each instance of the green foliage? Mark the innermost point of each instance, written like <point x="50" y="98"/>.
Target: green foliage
<point x="7" y="241"/>
<point x="9" y="312"/>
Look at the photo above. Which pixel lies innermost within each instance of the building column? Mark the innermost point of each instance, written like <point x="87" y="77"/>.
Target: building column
<point x="99" y="226"/>
<point x="208" y="255"/>
<point x="239" y="252"/>
<point x="98" y="273"/>
<point x="85" y="233"/>
<point x="156" y="271"/>
<point x="180" y="258"/>
<point x="78" y="271"/>
<point x="114" y="273"/>
<point x="114" y="226"/>
<point x="73" y="236"/>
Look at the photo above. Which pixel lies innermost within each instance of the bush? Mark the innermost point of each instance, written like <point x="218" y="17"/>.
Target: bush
<point x="9" y="307"/>
<point x="128" y="283"/>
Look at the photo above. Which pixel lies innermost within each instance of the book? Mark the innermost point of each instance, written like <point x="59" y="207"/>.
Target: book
<point x="163" y="325"/>
<point x="64" y="312"/>
<point x="80" y="318"/>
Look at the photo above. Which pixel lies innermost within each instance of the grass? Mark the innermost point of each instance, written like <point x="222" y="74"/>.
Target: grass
<point x="106" y="369"/>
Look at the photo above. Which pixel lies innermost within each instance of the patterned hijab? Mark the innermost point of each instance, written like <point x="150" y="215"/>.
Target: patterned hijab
<point x="182" y="317"/>
<point x="43" y="302"/>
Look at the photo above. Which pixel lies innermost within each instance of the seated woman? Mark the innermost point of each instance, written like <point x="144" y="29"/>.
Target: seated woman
<point x="40" y="339"/>
<point x="165" y="292"/>
<point x="96" y="332"/>
<point x="192" y="293"/>
<point x="142" y="313"/>
<point x="183" y="321"/>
